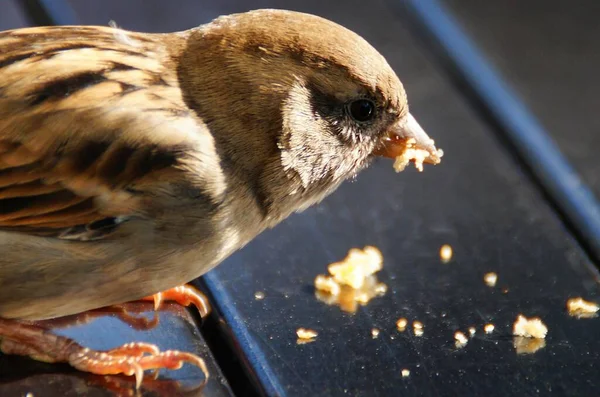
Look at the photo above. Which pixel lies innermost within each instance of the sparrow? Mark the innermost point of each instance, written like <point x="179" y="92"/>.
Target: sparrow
<point x="132" y="163"/>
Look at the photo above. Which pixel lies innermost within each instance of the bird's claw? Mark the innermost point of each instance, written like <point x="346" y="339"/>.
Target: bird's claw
<point x="131" y="359"/>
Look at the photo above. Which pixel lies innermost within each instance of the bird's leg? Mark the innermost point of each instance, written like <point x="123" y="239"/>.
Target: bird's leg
<point x="184" y="295"/>
<point x="26" y="339"/>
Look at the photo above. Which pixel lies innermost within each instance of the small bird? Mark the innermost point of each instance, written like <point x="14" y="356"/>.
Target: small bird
<point x="132" y="163"/>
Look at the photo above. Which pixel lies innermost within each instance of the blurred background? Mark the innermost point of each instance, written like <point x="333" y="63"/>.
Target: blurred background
<point x="509" y="90"/>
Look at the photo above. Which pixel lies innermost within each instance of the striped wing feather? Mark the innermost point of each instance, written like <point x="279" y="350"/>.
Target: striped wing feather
<point x="90" y="119"/>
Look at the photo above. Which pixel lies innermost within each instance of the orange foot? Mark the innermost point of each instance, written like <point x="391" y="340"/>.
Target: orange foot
<point x="185" y="295"/>
<point x="25" y="339"/>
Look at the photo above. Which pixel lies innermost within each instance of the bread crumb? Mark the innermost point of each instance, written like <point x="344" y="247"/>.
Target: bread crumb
<point x="489" y="328"/>
<point x="357" y="265"/>
<point x="410" y="152"/>
<point x="418" y="328"/>
<point x="490" y="279"/>
<point x="259" y="295"/>
<point x="472" y="331"/>
<point x="327" y="284"/>
<point x="446" y="253"/>
<point x="529" y="328"/>
<point x="375" y="333"/>
<point x="401" y="324"/>
<point x="305" y="333"/>
<point x="381" y="289"/>
<point x="525" y="345"/>
<point x="405" y="373"/>
<point x="304" y="341"/>
<point x="352" y="280"/>
<point x="461" y="339"/>
<point x="580" y="308"/>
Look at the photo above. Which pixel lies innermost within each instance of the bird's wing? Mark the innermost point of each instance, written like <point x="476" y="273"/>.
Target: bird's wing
<point x="93" y="130"/>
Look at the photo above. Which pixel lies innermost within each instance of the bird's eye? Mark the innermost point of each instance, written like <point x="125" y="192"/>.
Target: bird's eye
<point x="361" y="110"/>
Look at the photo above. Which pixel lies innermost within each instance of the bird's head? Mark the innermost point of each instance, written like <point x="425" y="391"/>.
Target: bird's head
<point x="296" y="102"/>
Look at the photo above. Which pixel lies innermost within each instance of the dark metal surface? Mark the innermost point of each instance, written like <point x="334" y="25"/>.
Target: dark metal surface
<point x="48" y="12"/>
<point x="11" y="16"/>
<point x="547" y="51"/>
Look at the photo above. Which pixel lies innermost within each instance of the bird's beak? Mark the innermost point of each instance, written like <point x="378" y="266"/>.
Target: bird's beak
<point x="408" y="134"/>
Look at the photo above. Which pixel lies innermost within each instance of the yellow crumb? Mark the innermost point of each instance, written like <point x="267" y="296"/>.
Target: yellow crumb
<point x="357" y="265"/>
<point x="490" y="279"/>
<point x="461" y="339"/>
<point x="529" y="328"/>
<point x="411" y="152"/>
<point x="418" y="328"/>
<point x="401" y="324"/>
<point x="405" y="373"/>
<point x="305" y="333"/>
<point x="381" y="289"/>
<point x="304" y="341"/>
<point x="489" y="328"/>
<point x="525" y="345"/>
<point x="580" y="308"/>
<point x="446" y="253"/>
<point x="327" y="284"/>
<point x="352" y="281"/>
<point x="472" y="331"/>
<point x="259" y="295"/>
<point x="374" y="333"/>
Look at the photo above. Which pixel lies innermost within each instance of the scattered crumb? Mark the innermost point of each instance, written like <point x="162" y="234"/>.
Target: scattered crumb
<point x="381" y="289"/>
<point x="375" y="333"/>
<point x="327" y="284"/>
<point x="490" y="279"/>
<point x="305" y="333"/>
<point x="352" y="280"/>
<point x="446" y="253"/>
<point x="30" y="394"/>
<point x="529" y="328"/>
<point x="405" y="373"/>
<point x="580" y="308"/>
<point x="401" y="324"/>
<point x="489" y="328"/>
<point x="461" y="339"/>
<point x="418" y="328"/>
<point x="357" y="265"/>
<point x="259" y="295"/>
<point x="472" y="331"/>
<point x="505" y="291"/>
<point x="304" y="341"/>
<point x="525" y="345"/>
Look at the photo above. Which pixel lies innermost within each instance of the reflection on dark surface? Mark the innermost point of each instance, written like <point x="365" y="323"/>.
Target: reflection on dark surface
<point x="525" y="345"/>
<point x="172" y="327"/>
<point x="349" y="299"/>
<point x="78" y="384"/>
